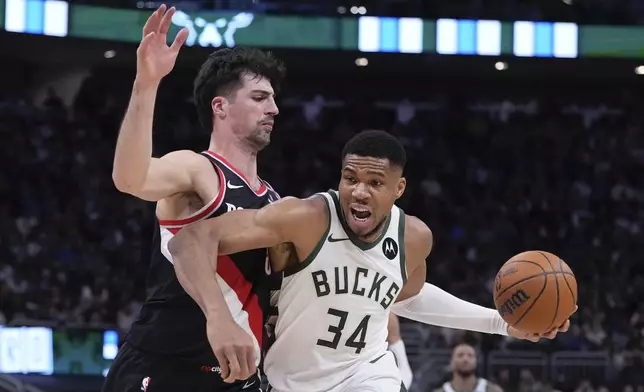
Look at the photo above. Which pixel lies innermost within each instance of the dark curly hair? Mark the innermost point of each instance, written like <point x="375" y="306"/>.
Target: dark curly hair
<point x="377" y="144"/>
<point x="222" y="74"/>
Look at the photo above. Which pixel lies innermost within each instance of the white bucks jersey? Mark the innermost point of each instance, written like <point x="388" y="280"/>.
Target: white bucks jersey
<point x="334" y="307"/>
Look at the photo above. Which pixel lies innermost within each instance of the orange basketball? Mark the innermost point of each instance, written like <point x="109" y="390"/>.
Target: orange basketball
<point x="535" y="291"/>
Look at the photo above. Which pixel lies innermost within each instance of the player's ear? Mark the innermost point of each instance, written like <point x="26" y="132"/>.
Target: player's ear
<point x="219" y="106"/>
<point x="402" y="184"/>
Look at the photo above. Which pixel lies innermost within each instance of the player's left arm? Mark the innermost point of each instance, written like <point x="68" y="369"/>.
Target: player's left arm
<point x="397" y="347"/>
<point x="426" y="303"/>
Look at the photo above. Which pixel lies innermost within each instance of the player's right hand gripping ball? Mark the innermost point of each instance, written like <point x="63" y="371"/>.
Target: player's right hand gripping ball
<point x="535" y="292"/>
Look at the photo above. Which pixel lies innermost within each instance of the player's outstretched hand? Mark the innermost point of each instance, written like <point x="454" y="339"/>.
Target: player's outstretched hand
<point x="154" y="58"/>
<point x="535" y="337"/>
<point x="234" y="349"/>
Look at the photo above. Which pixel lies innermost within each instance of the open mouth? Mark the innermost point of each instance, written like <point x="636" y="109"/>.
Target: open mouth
<point x="360" y="214"/>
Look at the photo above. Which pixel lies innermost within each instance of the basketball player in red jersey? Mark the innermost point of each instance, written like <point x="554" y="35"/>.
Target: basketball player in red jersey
<point x="167" y="348"/>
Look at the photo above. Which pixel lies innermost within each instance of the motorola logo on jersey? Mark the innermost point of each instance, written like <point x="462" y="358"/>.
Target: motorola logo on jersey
<point x="390" y="248"/>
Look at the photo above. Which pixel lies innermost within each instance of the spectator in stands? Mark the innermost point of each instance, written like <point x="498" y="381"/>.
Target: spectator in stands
<point x="464" y="378"/>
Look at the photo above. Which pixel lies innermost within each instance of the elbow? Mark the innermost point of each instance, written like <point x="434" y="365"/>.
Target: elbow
<point x="122" y="183"/>
<point x="177" y="244"/>
<point x="188" y="239"/>
<point x="126" y="180"/>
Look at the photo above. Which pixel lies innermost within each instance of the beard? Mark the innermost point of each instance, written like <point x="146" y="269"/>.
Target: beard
<point x="258" y="139"/>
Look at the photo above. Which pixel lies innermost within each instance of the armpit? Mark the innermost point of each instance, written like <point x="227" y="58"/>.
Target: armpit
<point x="283" y="256"/>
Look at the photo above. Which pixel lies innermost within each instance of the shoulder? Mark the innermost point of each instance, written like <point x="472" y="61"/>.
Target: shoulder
<point x="188" y="159"/>
<point x="491" y="387"/>
<point x="296" y="219"/>
<point x="308" y="205"/>
<point x="188" y="155"/>
<point x="418" y="236"/>
<point x="292" y="208"/>
<point x="417" y="228"/>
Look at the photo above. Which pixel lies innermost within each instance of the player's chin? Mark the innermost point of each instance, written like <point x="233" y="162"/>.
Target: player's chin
<point x="361" y="227"/>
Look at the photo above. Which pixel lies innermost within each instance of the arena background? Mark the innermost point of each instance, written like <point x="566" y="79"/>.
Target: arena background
<point x="522" y="120"/>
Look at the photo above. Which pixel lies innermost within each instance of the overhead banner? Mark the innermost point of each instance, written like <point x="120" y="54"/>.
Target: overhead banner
<point x="369" y="34"/>
<point x="611" y="41"/>
<point x="390" y="35"/>
<point x="494" y="38"/>
<point x="44" y="17"/>
<point x="365" y="34"/>
<point x="545" y="39"/>
<point x="214" y="29"/>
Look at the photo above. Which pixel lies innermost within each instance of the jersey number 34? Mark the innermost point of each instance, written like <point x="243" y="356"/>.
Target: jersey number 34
<point x="356" y="340"/>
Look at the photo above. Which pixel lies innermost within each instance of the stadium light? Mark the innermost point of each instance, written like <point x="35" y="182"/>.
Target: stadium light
<point x="501" y="66"/>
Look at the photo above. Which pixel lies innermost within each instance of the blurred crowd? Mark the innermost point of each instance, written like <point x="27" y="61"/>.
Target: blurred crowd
<point x="492" y="170"/>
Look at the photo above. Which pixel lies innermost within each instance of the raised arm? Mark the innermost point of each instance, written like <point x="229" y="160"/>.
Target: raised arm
<point x="135" y="171"/>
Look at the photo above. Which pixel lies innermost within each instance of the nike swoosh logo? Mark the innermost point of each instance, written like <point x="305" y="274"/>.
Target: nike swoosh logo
<point x="231" y="186"/>
<point x="247" y="385"/>
<point x="331" y="239"/>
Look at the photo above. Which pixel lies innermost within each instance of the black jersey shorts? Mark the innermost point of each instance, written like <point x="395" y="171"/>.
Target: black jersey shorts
<point x="136" y="371"/>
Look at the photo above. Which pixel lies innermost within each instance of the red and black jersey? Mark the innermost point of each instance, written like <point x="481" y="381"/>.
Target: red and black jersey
<point x="170" y="322"/>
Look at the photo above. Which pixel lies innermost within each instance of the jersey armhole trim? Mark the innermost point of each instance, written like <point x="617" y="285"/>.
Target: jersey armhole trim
<point x="206" y="210"/>
<point x="401" y="241"/>
<point x="318" y="247"/>
<point x="221" y="160"/>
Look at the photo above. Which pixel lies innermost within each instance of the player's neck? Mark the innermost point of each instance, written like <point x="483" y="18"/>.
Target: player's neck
<point x="240" y="158"/>
<point x="460" y="383"/>
<point x="375" y="233"/>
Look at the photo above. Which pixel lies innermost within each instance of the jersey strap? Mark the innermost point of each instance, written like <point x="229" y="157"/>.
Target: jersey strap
<point x="401" y="241"/>
<point x="223" y="163"/>
<point x="205" y="212"/>
<point x="309" y="259"/>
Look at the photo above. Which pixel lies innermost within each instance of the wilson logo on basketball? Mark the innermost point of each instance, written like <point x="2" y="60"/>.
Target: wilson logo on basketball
<point x="510" y="271"/>
<point x="513" y="303"/>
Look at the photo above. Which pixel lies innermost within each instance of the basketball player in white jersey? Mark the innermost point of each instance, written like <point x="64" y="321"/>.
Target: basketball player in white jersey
<point x="397" y="347"/>
<point x="359" y="257"/>
<point x="464" y="378"/>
